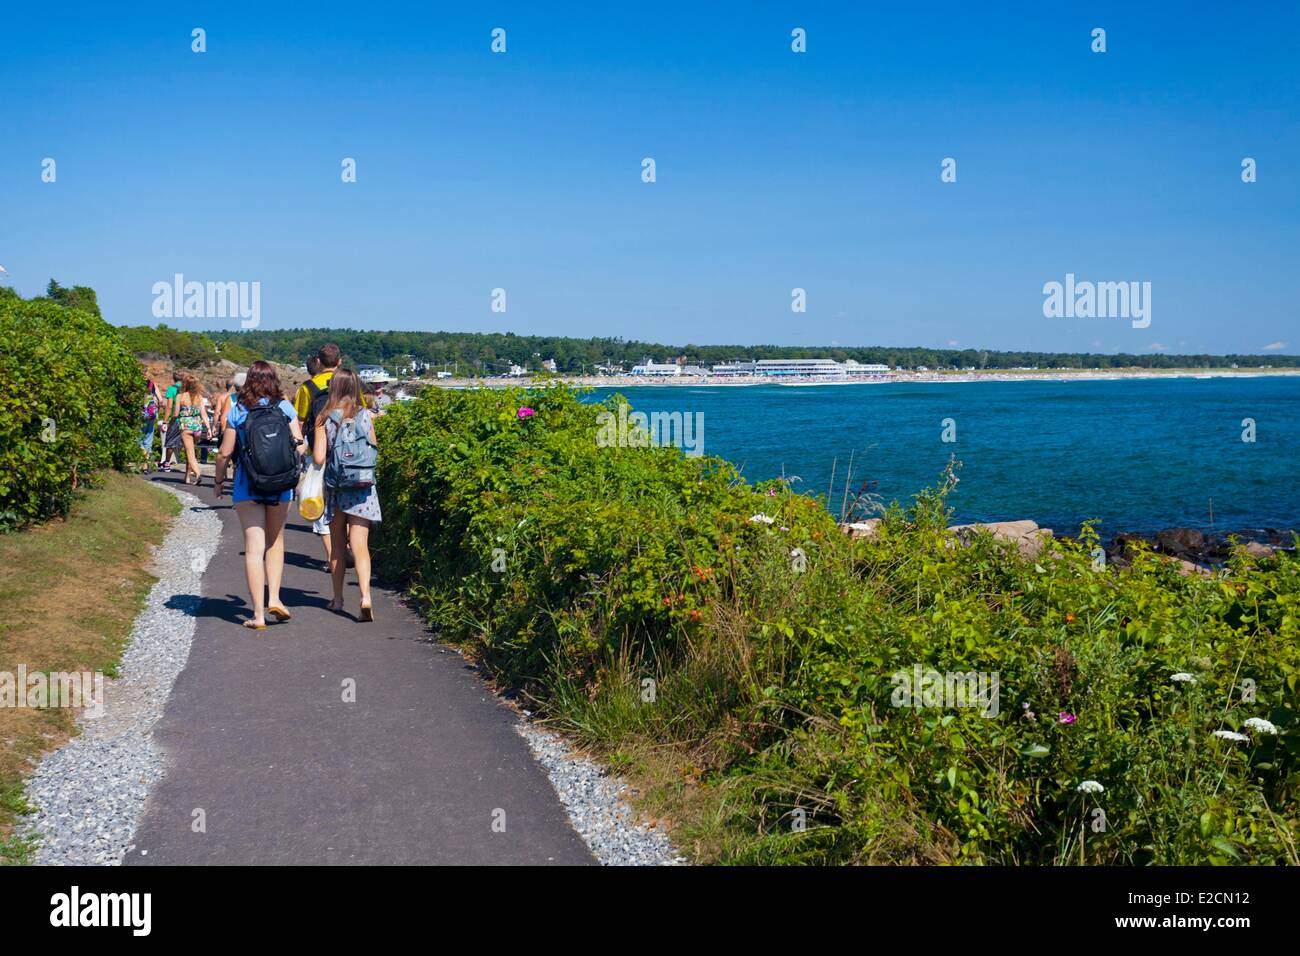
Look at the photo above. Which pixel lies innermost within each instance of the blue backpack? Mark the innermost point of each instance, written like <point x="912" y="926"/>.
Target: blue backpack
<point x="350" y="463"/>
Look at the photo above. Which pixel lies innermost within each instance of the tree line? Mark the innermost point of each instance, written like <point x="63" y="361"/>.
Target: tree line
<point x="487" y="353"/>
<point x="492" y="353"/>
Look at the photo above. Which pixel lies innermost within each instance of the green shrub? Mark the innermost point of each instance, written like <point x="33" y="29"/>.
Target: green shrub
<point x="576" y="572"/>
<point x="186" y="349"/>
<point x="70" y="404"/>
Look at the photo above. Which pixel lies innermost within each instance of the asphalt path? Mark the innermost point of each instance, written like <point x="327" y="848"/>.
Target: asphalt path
<point x="323" y="740"/>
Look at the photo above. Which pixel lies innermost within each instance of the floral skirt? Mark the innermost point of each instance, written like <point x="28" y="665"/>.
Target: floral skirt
<point x="357" y="502"/>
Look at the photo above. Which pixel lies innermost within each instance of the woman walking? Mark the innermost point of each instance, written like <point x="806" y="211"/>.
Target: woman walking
<point x="224" y="403"/>
<point x="153" y="403"/>
<point x="261" y="516"/>
<point x="351" y="499"/>
<point x="225" y="399"/>
<point x="192" y="420"/>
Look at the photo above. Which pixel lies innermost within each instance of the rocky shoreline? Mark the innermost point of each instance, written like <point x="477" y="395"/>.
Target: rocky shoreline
<point x="1205" y="551"/>
<point x="1196" y="551"/>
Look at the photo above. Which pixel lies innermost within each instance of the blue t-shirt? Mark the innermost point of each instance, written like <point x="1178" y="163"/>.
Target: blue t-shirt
<point x="235" y="419"/>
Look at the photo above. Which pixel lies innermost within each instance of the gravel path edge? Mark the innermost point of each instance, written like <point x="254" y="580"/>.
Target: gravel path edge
<point x="596" y="803"/>
<point x="88" y="796"/>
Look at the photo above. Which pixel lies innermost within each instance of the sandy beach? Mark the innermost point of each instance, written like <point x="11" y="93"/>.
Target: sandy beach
<point x="712" y="381"/>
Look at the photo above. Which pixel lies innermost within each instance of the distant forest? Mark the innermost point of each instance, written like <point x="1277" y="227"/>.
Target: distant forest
<point x="491" y="353"/>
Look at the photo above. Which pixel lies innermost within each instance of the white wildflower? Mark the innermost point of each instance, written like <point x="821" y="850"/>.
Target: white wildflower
<point x="1260" y="726"/>
<point x="1182" y="677"/>
<point x="761" y="518"/>
<point x="1231" y="735"/>
<point x="1090" y="786"/>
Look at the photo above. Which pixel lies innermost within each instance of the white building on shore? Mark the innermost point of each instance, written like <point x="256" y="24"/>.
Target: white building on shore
<point x="804" y="368"/>
<point x="653" y="369"/>
<point x="820" y="368"/>
<point x="853" y="368"/>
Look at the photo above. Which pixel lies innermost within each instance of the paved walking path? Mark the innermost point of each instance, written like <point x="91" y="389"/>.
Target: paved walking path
<point x="257" y="736"/>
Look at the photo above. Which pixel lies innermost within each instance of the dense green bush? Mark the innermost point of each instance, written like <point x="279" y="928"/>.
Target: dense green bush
<point x="71" y="397"/>
<point x="184" y="348"/>
<point x="77" y="297"/>
<point x="576" y="572"/>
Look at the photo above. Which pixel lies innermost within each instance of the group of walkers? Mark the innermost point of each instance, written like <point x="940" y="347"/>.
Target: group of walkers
<point x="190" y="420"/>
<point x="272" y="443"/>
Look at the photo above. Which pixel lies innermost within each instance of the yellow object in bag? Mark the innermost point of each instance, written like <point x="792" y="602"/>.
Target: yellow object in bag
<point x="311" y="493"/>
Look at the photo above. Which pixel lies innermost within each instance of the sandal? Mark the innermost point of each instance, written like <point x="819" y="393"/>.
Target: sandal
<point x="254" y="627"/>
<point x="279" y="613"/>
<point x="367" y="614"/>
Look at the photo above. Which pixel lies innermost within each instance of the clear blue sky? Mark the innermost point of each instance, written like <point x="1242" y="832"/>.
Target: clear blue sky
<point x="775" y="169"/>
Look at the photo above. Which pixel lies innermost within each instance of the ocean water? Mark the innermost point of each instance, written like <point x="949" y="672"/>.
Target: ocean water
<point x="1132" y="454"/>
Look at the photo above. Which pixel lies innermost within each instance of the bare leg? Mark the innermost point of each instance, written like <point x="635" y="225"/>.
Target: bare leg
<point x="338" y="557"/>
<point x="275" y="517"/>
<point x="359" y="536"/>
<point x="191" y="460"/>
<point x="253" y="518"/>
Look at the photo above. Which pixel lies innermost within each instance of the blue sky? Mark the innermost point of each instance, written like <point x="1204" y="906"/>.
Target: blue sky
<point x="775" y="170"/>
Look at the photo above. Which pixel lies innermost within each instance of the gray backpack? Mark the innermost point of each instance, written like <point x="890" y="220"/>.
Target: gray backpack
<point x="350" y="463"/>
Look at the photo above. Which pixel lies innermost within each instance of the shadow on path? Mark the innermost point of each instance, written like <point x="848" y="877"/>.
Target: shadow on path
<point x="323" y="740"/>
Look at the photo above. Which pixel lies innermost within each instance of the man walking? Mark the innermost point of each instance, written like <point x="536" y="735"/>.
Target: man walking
<point x="171" y="432"/>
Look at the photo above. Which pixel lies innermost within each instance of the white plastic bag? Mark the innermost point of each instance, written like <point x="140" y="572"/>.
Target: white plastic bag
<point x="311" y="492"/>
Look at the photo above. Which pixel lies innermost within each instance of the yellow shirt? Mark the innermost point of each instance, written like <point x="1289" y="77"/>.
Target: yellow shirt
<point x="302" y="401"/>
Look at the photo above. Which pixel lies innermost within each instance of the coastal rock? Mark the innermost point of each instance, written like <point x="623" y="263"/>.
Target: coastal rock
<point x="1118" y="552"/>
<point x="1190" y="567"/>
<point x="1257" y="550"/>
<point x="1181" y="541"/>
<point x="1120" y="541"/>
<point x="214" y="376"/>
<point x="1026" y="535"/>
<point x="862" y="529"/>
<point x="1196" y="549"/>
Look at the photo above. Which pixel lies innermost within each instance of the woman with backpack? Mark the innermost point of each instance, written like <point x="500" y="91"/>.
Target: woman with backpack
<point x="345" y="445"/>
<point x="264" y="429"/>
<point x="153" y="401"/>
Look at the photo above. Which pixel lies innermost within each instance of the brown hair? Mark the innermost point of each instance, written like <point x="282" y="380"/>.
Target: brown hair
<point x="191" y="385"/>
<point x="344" y="394"/>
<point x="262" y="382"/>
<point x="329" y="355"/>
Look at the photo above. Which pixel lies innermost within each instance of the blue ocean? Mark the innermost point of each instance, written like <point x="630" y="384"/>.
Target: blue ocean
<point x="1132" y="454"/>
